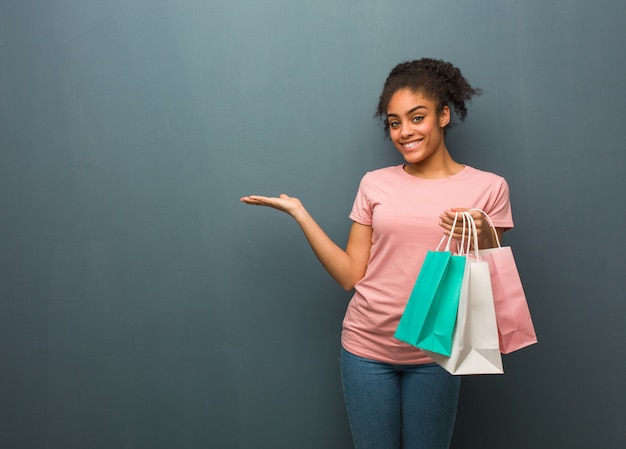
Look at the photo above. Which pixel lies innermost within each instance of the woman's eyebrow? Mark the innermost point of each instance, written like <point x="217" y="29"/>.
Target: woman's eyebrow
<point x="409" y="112"/>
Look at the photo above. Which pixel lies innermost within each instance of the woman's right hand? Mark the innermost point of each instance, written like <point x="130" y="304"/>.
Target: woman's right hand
<point x="347" y="266"/>
<point x="283" y="203"/>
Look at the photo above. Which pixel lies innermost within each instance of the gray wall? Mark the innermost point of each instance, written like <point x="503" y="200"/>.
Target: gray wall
<point x="142" y="306"/>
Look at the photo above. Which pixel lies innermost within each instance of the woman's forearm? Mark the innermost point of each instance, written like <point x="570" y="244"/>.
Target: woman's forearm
<point x="347" y="267"/>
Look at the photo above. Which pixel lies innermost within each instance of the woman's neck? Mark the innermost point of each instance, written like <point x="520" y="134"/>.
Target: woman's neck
<point x="434" y="168"/>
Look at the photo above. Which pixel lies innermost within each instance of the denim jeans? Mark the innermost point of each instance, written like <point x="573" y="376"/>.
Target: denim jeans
<point x="399" y="406"/>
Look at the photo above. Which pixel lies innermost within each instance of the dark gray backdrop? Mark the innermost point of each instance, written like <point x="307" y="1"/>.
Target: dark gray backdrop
<point x="142" y="306"/>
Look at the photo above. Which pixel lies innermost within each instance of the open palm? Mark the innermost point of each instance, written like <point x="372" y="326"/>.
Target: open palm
<point x="283" y="203"/>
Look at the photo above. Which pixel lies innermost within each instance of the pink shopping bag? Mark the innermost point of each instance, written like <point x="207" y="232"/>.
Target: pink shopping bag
<point x="515" y="326"/>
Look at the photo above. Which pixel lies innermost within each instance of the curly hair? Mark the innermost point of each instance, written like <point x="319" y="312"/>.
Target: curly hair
<point x="437" y="80"/>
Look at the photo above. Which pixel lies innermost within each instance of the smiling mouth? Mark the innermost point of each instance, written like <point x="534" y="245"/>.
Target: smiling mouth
<point x="411" y="145"/>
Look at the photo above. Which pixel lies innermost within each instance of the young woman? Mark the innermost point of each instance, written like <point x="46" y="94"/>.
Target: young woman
<point x="396" y="397"/>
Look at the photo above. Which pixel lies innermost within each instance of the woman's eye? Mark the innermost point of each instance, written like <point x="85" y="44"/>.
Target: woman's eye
<point x="418" y="118"/>
<point x="394" y="123"/>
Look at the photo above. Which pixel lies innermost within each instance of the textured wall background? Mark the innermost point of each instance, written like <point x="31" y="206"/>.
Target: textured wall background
<point x="141" y="306"/>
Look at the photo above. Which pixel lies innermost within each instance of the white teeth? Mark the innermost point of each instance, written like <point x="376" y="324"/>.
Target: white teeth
<point x="410" y="145"/>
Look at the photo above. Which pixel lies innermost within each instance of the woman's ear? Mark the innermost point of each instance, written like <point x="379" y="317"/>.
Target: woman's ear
<point x="444" y="117"/>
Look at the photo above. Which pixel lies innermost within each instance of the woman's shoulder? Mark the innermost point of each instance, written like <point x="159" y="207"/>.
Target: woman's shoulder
<point x="475" y="173"/>
<point x="384" y="172"/>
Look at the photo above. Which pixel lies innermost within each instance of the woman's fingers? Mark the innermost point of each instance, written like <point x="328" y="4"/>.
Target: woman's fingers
<point x="447" y="221"/>
<point x="283" y="203"/>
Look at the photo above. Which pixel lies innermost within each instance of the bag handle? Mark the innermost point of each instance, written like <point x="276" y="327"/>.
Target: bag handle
<point x="469" y="223"/>
<point x="465" y="249"/>
<point x="447" y="248"/>
<point x="495" y="232"/>
<point x="466" y="225"/>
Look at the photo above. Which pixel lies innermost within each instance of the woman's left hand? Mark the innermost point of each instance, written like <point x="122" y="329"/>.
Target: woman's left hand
<point x="483" y="229"/>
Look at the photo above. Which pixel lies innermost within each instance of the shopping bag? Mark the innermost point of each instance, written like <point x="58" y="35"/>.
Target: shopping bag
<point x="475" y="344"/>
<point x="515" y="326"/>
<point x="431" y="310"/>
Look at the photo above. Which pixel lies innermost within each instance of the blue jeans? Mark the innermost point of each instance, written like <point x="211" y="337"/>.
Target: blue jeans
<point x="399" y="406"/>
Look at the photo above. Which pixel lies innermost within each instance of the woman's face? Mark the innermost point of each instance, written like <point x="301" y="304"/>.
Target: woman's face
<point x="415" y="127"/>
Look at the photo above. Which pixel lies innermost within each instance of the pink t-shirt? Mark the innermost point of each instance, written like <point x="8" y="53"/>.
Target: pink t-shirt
<point x="403" y="211"/>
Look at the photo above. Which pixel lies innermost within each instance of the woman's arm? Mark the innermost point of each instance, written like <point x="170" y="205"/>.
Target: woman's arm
<point x="347" y="266"/>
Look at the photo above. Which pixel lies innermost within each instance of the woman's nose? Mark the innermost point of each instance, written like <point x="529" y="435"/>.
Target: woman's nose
<point x="406" y="130"/>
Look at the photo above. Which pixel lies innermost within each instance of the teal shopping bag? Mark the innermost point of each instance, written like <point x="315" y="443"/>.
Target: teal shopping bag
<point x="430" y="314"/>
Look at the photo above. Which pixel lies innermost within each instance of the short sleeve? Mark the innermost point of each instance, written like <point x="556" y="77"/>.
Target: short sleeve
<point x="361" y="208"/>
<point x="499" y="205"/>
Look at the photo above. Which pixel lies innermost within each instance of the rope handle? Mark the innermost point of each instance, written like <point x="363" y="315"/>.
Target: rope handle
<point x="468" y="223"/>
<point x="495" y="232"/>
<point x="466" y="248"/>
<point x="447" y="248"/>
